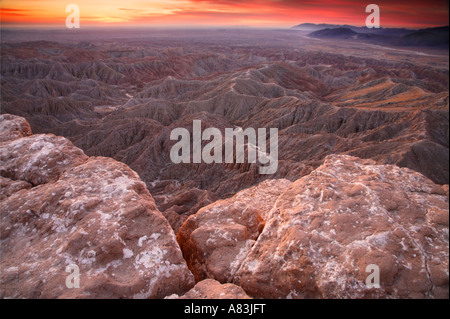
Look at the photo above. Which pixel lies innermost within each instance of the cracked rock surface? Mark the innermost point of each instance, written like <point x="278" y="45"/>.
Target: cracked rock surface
<point x="215" y="240"/>
<point x="94" y="213"/>
<point x="322" y="232"/>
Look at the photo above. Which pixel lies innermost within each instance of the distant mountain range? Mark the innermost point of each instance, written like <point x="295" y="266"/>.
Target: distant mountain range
<point x="427" y="37"/>
<point x="311" y="27"/>
<point x="430" y="37"/>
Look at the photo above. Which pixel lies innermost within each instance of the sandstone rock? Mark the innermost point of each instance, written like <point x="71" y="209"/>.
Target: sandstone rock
<point x="445" y="188"/>
<point x="220" y="235"/>
<point x="38" y="159"/>
<point x="212" y="289"/>
<point x="314" y="238"/>
<point x="178" y="204"/>
<point x="10" y="187"/>
<point x="91" y="212"/>
<point x="13" y="127"/>
<point x="327" y="227"/>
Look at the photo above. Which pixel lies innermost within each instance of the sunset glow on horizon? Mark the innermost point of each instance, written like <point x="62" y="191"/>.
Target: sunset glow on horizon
<point x="198" y="13"/>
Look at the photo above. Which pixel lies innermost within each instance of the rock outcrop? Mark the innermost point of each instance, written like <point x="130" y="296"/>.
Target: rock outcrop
<point x="216" y="239"/>
<point x="212" y="289"/>
<point x="61" y="208"/>
<point x="13" y="127"/>
<point x="322" y="233"/>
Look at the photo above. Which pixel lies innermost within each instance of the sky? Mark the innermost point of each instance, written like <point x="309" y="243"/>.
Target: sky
<point x="207" y="13"/>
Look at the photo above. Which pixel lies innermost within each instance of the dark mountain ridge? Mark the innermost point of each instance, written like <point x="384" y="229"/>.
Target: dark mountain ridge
<point x="430" y="37"/>
<point x="311" y="27"/>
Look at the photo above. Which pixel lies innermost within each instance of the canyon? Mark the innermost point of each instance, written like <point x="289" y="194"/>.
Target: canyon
<point x="87" y="176"/>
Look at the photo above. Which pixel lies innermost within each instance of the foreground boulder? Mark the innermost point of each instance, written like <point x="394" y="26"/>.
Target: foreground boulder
<point x="215" y="240"/>
<point x="94" y="214"/>
<point x="13" y="127"/>
<point x="212" y="289"/>
<point x="322" y="232"/>
<point x="328" y="227"/>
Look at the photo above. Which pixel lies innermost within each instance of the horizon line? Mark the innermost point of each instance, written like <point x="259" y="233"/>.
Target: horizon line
<point x="193" y="27"/>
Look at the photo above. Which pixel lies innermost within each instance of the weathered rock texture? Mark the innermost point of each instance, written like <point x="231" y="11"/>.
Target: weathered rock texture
<point x="323" y="231"/>
<point x="216" y="239"/>
<point x="13" y="127"/>
<point x="92" y="212"/>
<point x="212" y="289"/>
